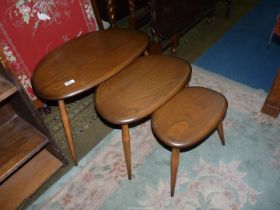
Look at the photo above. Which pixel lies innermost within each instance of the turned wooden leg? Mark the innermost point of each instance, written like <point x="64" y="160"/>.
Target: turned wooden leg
<point x="97" y="14"/>
<point x="67" y="129"/>
<point x="228" y="8"/>
<point x="111" y="12"/>
<point x="174" y="168"/>
<point x="221" y="132"/>
<point x="132" y="17"/>
<point x="175" y="44"/>
<point x="126" y="148"/>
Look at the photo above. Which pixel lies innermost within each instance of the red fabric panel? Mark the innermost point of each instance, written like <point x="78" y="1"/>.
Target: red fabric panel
<point x="29" y="29"/>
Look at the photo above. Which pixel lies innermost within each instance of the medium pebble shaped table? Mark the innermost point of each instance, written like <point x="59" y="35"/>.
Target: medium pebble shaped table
<point x="138" y="90"/>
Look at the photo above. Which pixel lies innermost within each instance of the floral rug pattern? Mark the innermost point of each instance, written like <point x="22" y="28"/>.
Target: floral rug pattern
<point x="210" y="176"/>
<point x="214" y="187"/>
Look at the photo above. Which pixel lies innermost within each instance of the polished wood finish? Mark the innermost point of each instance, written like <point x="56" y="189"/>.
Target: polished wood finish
<point x="6" y="88"/>
<point x="171" y="19"/>
<point x="220" y="131"/>
<point x="115" y="10"/>
<point x="27" y="180"/>
<point x="111" y="13"/>
<point x="187" y="119"/>
<point x="139" y="90"/>
<point x="23" y="137"/>
<point x="272" y="103"/>
<point x="126" y="148"/>
<point x="175" y="158"/>
<point x="86" y="61"/>
<point x="20" y="144"/>
<point x="67" y="129"/>
<point x="97" y="14"/>
<point x="6" y="112"/>
<point x="83" y="63"/>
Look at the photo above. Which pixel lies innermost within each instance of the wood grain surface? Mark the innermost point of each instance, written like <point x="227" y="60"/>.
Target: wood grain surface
<point x="189" y="117"/>
<point x="141" y="88"/>
<point x="19" y="142"/>
<point x="6" y="88"/>
<point x="86" y="61"/>
<point x="27" y="180"/>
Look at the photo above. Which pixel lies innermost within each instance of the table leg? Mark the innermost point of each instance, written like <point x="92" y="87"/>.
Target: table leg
<point x="221" y="132"/>
<point x="126" y="148"/>
<point x="175" y="156"/>
<point x="67" y="129"/>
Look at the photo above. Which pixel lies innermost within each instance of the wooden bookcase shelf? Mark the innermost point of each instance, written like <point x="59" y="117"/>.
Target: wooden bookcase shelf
<point x="28" y="179"/>
<point x="28" y="155"/>
<point x="20" y="142"/>
<point x="6" y="88"/>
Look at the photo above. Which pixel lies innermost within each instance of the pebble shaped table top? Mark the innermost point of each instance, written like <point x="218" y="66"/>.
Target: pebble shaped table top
<point x="86" y="61"/>
<point x="141" y="88"/>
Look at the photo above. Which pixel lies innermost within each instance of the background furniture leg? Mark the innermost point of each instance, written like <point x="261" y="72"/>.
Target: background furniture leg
<point x="126" y="148"/>
<point x="111" y="13"/>
<point x="271" y="105"/>
<point x="228" y="8"/>
<point x="174" y="168"/>
<point x="67" y="129"/>
<point x="175" y="44"/>
<point x="132" y="17"/>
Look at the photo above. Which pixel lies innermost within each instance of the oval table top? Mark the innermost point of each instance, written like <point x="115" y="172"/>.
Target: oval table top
<point x="189" y="117"/>
<point x="86" y="61"/>
<point x="141" y="88"/>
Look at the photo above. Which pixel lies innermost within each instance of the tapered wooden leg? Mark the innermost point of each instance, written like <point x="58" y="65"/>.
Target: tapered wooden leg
<point x="126" y="148"/>
<point x="67" y="129"/>
<point x="221" y="132"/>
<point x="174" y="168"/>
<point x="132" y="17"/>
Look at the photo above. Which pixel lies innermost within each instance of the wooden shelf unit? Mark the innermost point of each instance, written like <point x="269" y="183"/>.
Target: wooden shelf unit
<point x="20" y="142"/>
<point x="28" y="179"/>
<point x="28" y="156"/>
<point x="6" y="88"/>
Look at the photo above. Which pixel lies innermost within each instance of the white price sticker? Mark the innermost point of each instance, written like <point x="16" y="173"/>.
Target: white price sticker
<point x="69" y="82"/>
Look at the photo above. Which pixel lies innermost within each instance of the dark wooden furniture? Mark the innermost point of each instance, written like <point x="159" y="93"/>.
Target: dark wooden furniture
<point x="114" y="10"/>
<point x="170" y="19"/>
<point x="272" y="103"/>
<point x="83" y="63"/>
<point x="187" y="119"/>
<point x="139" y="90"/>
<point x="28" y="156"/>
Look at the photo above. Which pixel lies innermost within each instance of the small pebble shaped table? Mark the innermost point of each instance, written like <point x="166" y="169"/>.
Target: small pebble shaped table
<point x="138" y="90"/>
<point x="83" y="63"/>
<point x="187" y="119"/>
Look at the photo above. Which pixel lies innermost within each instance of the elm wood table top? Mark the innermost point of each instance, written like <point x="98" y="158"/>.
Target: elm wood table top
<point x="176" y="123"/>
<point x="141" y="88"/>
<point x="86" y="61"/>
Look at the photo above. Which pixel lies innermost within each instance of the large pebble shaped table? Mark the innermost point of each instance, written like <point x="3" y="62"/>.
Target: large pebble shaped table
<point x="84" y="63"/>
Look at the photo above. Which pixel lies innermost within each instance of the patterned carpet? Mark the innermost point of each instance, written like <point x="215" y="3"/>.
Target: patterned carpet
<point x="244" y="174"/>
<point x="89" y="130"/>
<point x="87" y="127"/>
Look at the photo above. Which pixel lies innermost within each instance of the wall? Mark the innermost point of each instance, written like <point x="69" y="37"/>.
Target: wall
<point x="29" y="29"/>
